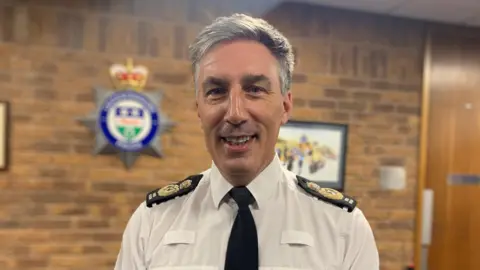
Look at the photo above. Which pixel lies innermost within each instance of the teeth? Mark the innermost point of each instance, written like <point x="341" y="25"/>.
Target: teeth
<point x="238" y="140"/>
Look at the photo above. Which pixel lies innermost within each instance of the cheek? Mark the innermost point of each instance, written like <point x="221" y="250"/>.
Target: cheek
<point x="210" y="118"/>
<point x="269" y="116"/>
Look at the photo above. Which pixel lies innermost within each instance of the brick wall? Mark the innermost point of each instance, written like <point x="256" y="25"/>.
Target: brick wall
<point x="62" y="208"/>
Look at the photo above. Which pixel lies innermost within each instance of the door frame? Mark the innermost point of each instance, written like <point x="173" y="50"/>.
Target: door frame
<point x="423" y="146"/>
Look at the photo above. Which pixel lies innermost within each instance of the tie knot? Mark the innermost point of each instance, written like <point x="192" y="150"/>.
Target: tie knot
<point x="242" y="196"/>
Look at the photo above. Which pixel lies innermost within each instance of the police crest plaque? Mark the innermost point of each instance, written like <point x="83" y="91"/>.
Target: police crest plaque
<point x="127" y="120"/>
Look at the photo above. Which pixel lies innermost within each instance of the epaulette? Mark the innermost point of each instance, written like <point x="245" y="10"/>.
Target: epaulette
<point x="329" y="195"/>
<point x="172" y="191"/>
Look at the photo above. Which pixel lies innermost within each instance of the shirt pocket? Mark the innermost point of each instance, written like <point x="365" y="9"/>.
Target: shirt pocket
<point x="175" y="249"/>
<point x="192" y="267"/>
<point x="285" y="268"/>
<point x="298" y="252"/>
<point x="178" y="237"/>
<point x="297" y="238"/>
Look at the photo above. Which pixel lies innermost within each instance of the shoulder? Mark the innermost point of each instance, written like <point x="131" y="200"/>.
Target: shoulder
<point x="174" y="190"/>
<point x="328" y="195"/>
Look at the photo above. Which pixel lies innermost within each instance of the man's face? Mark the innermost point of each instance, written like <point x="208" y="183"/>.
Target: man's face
<point x="240" y="106"/>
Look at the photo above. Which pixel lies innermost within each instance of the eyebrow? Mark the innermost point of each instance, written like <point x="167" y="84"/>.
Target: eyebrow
<point x="253" y="79"/>
<point x="216" y="81"/>
<point x="248" y="79"/>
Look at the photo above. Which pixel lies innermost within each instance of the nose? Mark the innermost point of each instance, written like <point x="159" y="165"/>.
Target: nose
<point x="236" y="113"/>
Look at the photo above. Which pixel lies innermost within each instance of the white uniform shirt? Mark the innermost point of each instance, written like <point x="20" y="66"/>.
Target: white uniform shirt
<point x="295" y="230"/>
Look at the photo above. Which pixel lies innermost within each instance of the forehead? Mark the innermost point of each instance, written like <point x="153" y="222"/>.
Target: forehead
<point x="235" y="59"/>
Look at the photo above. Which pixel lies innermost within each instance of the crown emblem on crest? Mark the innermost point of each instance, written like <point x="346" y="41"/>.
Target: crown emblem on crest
<point x="128" y="76"/>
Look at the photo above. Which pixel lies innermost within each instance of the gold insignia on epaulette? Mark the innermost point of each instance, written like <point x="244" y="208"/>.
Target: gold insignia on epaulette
<point x="331" y="193"/>
<point x="150" y="196"/>
<point x="185" y="184"/>
<point x="168" y="190"/>
<point x="313" y="186"/>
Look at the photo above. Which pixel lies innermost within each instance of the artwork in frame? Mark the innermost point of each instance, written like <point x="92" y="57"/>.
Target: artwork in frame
<point x="4" y="134"/>
<point x="314" y="150"/>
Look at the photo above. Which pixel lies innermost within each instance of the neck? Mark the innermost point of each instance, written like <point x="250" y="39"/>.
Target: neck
<point x="243" y="178"/>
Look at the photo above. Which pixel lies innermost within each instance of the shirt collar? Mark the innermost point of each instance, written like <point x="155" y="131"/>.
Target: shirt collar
<point x="262" y="187"/>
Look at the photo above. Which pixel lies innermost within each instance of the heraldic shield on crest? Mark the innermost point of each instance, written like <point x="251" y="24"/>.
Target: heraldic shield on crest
<point x="127" y="120"/>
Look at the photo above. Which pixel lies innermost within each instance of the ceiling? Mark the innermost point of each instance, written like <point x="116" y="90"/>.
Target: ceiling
<point x="466" y="12"/>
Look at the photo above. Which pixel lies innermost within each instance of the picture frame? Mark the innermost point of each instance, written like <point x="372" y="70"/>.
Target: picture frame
<point x="4" y="135"/>
<point x="314" y="150"/>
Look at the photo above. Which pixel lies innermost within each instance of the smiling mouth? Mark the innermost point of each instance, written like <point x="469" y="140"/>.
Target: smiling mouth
<point x="238" y="140"/>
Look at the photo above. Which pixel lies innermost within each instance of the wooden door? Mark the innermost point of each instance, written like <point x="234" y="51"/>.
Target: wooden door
<point x="453" y="147"/>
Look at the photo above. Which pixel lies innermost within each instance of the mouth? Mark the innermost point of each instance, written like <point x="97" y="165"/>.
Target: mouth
<point x="238" y="142"/>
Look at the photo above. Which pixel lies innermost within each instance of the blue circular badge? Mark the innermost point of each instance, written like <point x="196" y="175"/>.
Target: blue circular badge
<point x="129" y="120"/>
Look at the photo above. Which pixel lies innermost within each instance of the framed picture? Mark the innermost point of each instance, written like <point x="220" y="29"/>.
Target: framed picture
<point x="314" y="150"/>
<point x="4" y="134"/>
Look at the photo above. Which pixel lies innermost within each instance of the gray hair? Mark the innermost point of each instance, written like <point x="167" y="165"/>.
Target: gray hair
<point x="243" y="27"/>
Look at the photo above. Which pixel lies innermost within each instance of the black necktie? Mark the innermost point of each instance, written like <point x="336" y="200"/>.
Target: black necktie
<point x="242" y="251"/>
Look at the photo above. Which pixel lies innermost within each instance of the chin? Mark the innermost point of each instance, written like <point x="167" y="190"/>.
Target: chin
<point x="237" y="165"/>
<point x="234" y="164"/>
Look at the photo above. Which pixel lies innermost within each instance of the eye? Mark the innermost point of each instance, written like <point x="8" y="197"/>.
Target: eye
<point x="216" y="91"/>
<point x="254" y="89"/>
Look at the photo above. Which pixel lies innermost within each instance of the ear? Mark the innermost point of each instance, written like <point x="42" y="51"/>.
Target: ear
<point x="198" y="115"/>
<point x="287" y="107"/>
<point x="196" y="107"/>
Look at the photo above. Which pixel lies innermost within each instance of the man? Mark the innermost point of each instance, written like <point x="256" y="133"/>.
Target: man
<point x="246" y="211"/>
